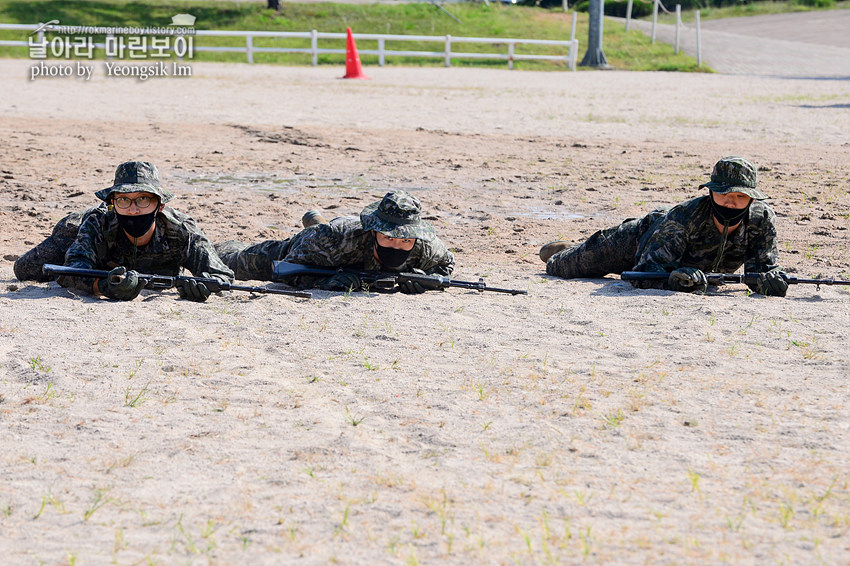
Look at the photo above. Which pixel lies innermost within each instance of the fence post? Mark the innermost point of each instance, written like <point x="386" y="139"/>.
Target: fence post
<point x="654" y="20"/>
<point x="109" y="38"/>
<point x="573" y="55"/>
<point x="565" y="4"/>
<point x="510" y="55"/>
<point x="678" y="25"/>
<point x="573" y="28"/>
<point x="699" y="42"/>
<point x="628" y="14"/>
<point x="448" y="51"/>
<point x="249" y="47"/>
<point x="381" y="54"/>
<point x="314" y="46"/>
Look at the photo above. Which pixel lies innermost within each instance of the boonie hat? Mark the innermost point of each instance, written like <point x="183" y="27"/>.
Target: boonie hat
<point x="397" y="215"/>
<point x="734" y="175"/>
<point x="136" y="177"/>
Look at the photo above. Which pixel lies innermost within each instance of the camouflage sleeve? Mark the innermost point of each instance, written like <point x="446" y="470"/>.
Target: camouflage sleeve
<point x="201" y="256"/>
<point x="662" y="251"/>
<point x="762" y="250"/>
<point x="83" y="253"/>
<point x="341" y="242"/>
<point x="436" y="259"/>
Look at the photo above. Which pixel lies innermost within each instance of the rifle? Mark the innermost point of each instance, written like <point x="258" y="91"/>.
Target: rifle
<point x="160" y="282"/>
<point x="385" y="280"/>
<point x="724" y="278"/>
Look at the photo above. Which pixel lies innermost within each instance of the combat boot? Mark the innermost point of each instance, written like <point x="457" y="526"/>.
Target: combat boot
<point x="312" y="217"/>
<point x="552" y="248"/>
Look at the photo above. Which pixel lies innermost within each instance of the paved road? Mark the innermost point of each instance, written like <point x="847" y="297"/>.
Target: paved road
<point x="804" y="44"/>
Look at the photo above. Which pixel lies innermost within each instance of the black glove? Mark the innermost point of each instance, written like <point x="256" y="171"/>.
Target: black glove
<point x="344" y="281"/>
<point x="412" y="287"/>
<point x="687" y="280"/>
<point x="772" y="283"/>
<point x="197" y="291"/>
<point x="121" y="285"/>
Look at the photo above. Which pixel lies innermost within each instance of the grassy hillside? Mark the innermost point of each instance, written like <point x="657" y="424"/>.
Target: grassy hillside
<point x="631" y="51"/>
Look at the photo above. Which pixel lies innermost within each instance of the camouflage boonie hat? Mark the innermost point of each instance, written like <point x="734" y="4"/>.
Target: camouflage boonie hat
<point x="397" y="215"/>
<point x="136" y="177"/>
<point x="734" y="175"/>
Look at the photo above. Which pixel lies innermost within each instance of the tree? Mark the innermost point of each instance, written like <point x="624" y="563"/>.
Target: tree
<point x="274" y="5"/>
<point x="595" y="57"/>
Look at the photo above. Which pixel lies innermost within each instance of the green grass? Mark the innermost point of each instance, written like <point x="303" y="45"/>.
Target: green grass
<point x="746" y="9"/>
<point x="631" y="51"/>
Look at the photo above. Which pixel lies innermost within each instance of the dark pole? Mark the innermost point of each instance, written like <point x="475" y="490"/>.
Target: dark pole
<point x="595" y="57"/>
<point x="273" y="5"/>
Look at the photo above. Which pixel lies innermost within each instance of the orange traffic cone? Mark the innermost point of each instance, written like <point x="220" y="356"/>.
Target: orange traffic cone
<point x="353" y="70"/>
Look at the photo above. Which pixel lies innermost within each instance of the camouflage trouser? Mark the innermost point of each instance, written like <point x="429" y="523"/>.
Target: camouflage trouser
<point x="252" y="263"/>
<point x="612" y="250"/>
<point x="51" y="250"/>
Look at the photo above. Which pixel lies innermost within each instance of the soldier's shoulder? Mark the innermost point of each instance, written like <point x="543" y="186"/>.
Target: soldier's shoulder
<point x="761" y="212"/>
<point x="178" y="221"/>
<point x="346" y="224"/>
<point x="96" y="215"/>
<point x="692" y="204"/>
<point x="684" y="212"/>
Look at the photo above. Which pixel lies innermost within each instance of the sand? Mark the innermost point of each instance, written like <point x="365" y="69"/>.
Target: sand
<point x="586" y="422"/>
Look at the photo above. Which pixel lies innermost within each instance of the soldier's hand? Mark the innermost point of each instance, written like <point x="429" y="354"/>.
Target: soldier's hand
<point x="121" y="285"/>
<point x="192" y="290"/>
<point x="773" y="283"/>
<point x="412" y="287"/>
<point x="343" y="281"/>
<point x="687" y="280"/>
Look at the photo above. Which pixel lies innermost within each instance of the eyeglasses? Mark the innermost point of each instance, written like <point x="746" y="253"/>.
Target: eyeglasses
<point x="124" y="202"/>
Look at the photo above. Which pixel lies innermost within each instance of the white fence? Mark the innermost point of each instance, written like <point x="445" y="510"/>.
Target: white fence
<point x="447" y="41"/>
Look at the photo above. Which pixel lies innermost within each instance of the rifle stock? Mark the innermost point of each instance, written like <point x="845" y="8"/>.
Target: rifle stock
<point x="161" y="282"/>
<point x="386" y="280"/>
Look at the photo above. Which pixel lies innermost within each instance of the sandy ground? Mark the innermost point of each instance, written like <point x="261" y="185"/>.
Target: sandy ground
<point x="586" y="422"/>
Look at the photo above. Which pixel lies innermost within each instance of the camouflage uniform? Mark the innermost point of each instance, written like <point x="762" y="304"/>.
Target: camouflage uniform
<point x="52" y="249"/>
<point x="93" y="239"/>
<point x="346" y="241"/>
<point x="683" y="236"/>
<point x="177" y="242"/>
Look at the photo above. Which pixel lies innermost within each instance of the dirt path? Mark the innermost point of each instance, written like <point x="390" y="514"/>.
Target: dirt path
<point x="806" y="44"/>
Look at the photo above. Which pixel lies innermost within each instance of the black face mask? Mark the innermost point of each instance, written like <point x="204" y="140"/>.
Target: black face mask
<point x="391" y="257"/>
<point x="728" y="216"/>
<point x="137" y="225"/>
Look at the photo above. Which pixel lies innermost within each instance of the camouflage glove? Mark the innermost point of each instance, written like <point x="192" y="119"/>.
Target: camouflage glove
<point x="772" y="283"/>
<point x="343" y="281"/>
<point x="192" y="290"/>
<point x="121" y="285"/>
<point x="687" y="280"/>
<point x="412" y="287"/>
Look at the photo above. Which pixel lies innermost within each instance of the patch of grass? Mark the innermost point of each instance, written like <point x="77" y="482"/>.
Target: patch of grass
<point x="98" y="501"/>
<point x="631" y="51"/>
<point x="614" y="418"/>
<point x="134" y="400"/>
<point x="37" y="364"/>
<point x="353" y="420"/>
<point x="51" y="500"/>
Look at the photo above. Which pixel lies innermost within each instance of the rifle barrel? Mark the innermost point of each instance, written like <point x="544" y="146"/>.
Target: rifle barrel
<point x="268" y="290"/>
<point x="721" y="278"/>
<point x="81" y="272"/>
